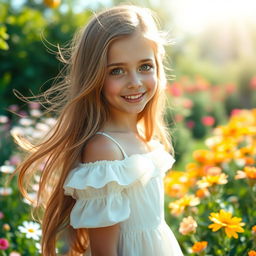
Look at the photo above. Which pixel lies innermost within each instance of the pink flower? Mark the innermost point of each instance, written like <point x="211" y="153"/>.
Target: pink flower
<point x="34" y="105"/>
<point x="253" y="83"/>
<point x="240" y="175"/>
<point x="235" y="111"/>
<point x="14" y="108"/>
<point x="230" y="88"/>
<point x="187" y="103"/>
<point x="179" y="118"/>
<point x="4" y="244"/>
<point x="175" y="90"/>
<point x="188" y="226"/>
<point x="15" y="160"/>
<point x="1" y="215"/>
<point x="208" y="120"/>
<point x="190" y="124"/>
<point x="15" y="254"/>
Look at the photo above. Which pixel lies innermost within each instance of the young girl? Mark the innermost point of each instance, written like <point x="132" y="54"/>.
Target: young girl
<point x="106" y="156"/>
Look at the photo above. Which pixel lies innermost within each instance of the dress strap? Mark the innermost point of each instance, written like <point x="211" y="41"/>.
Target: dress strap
<point x="114" y="140"/>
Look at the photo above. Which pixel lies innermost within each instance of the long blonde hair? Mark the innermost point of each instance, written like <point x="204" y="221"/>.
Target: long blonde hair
<point x="81" y="113"/>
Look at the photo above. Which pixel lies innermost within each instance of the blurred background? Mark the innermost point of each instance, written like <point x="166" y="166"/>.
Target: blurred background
<point x="210" y="60"/>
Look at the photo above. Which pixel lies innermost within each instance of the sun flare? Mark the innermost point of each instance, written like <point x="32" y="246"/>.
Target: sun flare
<point x="194" y="16"/>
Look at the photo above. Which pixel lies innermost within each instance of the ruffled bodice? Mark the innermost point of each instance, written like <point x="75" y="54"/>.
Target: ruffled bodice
<point x="129" y="192"/>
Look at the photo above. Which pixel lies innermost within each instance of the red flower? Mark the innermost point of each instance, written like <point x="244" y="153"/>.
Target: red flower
<point x="208" y="120"/>
<point x="4" y="244"/>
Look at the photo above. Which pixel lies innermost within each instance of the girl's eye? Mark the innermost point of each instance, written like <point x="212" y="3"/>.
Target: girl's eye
<point x="146" y="67"/>
<point x="116" y="71"/>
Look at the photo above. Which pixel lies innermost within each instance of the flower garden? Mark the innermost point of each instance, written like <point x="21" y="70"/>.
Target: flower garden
<point x="210" y="200"/>
<point x="214" y="199"/>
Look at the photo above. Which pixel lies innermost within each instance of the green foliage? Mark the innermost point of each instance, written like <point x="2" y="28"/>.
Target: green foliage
<point x="33" y="33"/>
<point x="3" y="38"/>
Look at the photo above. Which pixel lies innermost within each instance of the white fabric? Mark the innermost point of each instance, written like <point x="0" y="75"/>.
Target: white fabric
<point x="129" y="192"/>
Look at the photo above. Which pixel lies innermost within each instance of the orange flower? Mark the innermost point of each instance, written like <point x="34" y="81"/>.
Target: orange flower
<point x="232" y="225"/>
<point x="177" y="207"/>
<point x="212" y="180"/>
<point x="204" y="156"/>
<point x="199" y="246"/>
<point x="195" y="170"/>
<point x="202" y="193"/>
<point x="254" y="229"/>
<point x="252" y="253"/>
<point x="248" y="172"/>
<point x="188" y="226"/>
<point x="213" y="170"/>
<point x="52" y="3"/>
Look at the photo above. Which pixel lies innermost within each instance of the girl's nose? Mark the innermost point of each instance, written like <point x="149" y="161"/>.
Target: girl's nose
<point x="134" y="81"/>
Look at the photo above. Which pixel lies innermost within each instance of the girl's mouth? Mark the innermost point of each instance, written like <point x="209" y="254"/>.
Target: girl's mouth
<point x="134" y="98"/>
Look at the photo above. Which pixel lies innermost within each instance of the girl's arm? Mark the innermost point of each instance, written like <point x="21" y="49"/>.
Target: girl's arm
<point x="103" y="240"/>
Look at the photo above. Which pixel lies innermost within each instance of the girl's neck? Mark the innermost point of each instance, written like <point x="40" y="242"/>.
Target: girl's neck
<point x="127" y="124"/>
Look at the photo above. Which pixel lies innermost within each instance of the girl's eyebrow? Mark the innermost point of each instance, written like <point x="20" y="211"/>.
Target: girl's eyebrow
<point x="123" y="63"/>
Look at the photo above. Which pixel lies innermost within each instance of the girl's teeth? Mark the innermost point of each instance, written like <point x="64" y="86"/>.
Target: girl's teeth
<point x="133" y="97"/>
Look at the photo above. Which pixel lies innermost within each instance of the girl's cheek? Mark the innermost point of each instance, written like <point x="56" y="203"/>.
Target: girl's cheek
<point x="112" y="86"/>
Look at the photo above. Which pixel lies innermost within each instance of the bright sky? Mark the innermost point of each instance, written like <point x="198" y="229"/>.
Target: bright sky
<point x="193" y="15"/>
<point x="196" y="15"/>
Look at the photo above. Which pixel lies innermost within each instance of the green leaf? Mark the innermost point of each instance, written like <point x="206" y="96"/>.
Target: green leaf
<point x="3" y="45"/>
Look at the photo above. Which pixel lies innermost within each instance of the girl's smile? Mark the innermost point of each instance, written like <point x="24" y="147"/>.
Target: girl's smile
<point x="131" y="80"/>
<point x="134" y="97"/>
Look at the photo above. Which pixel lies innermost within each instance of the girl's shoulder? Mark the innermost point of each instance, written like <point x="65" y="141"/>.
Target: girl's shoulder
<point x="101" y="148"/>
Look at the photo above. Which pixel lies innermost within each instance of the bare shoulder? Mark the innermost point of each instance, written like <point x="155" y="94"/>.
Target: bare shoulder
<point x="100" y="147"/>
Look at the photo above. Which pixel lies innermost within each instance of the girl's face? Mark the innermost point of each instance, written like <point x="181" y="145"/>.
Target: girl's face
<point x="131" y="79"/>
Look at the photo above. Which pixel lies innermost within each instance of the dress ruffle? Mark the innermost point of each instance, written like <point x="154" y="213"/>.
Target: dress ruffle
<point x="99" y="187"/>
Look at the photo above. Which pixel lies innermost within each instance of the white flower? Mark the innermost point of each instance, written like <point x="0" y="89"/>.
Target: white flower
<point x="4" y="191"/>
<point x="25" y="121"/>
<point x="16" y="130"/>
<point x="3" y="119"/>
<point x="31" y="229"/>
<point x="33" y="197"/>
<point x="42" y="127"/>
<point x="50" y="121"/>
<point x="38" y="247"/>
<point x="35" y="113"/>
<point x="7" y="169"/>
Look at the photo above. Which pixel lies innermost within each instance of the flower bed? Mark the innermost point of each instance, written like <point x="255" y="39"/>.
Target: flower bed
<point x="214" y="199"/>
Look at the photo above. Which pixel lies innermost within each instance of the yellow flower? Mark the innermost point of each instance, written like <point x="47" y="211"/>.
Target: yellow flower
<point x="178" y="206"/>
<point x="252" y="253"/>
<point x="177" y="183"/>
<point x="211" y="180"/>
<point x="223" y="219"/>
<point x="199" y="246"/>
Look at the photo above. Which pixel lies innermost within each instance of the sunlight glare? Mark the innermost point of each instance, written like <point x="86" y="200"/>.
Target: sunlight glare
<point x="194" y="16"/>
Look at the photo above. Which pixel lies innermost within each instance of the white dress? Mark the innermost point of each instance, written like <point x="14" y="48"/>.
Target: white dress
<point x="129" y="192"/>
